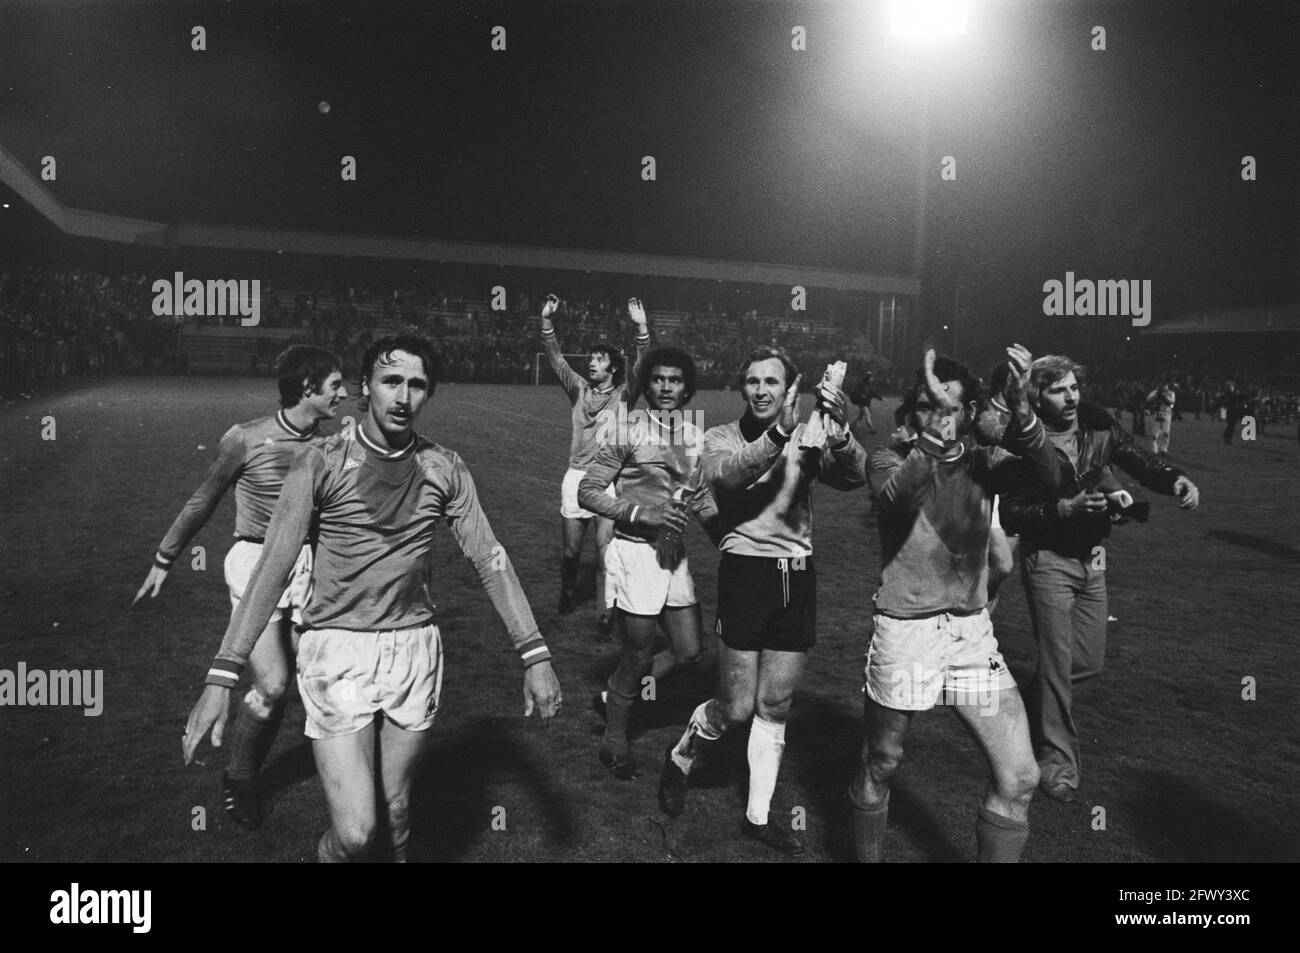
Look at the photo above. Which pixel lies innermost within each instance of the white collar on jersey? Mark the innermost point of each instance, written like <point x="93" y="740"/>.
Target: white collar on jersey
<point x="283" y="419"/>
<point x="383" y="451"/>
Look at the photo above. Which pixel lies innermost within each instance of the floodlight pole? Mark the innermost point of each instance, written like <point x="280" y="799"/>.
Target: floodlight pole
<point x="922" y="199"/>
<point x="955" y="292"/>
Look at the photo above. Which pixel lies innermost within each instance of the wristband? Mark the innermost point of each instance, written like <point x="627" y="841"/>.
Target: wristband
<point x="534" y="652"/>
<point x="223" y="673"/>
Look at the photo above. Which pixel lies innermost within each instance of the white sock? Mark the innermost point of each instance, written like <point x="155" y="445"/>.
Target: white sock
<point x="766" y="743"/>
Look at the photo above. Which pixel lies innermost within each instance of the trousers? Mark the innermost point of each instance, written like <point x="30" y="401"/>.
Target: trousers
<point x="1068" y="609"/>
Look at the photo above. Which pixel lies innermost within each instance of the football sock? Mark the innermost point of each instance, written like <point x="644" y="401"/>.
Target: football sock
<point x="869" y="829"/>
<point x="569" y="573"/>
<point x="1000" y="838"/>
<point x="256" y="723"/>
<point x="766" y="742"/>
<point x="617" y="708"/>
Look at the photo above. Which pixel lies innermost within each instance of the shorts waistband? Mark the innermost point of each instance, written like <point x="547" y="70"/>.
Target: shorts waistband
<point x="774" y="561"/>
<point x="368" y="633"/>
<point x="259" y="540"/>
<point x="957" y="613"/>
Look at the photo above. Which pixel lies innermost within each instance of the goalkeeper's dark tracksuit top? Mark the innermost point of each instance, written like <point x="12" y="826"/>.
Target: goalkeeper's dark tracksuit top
<point x="762" y="484"/>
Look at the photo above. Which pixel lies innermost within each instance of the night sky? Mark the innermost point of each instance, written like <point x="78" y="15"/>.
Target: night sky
<point x="1119" y="164"/>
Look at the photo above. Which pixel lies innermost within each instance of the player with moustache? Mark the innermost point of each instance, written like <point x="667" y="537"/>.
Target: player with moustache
<point x="649" y="584"/>
<point x="932" y="637"/>
<point x="767" y="584"/>
<point x="369" y="645"/>
<point x="594" y="401"/>
<point x="1060" y="531"/>
<point x="254" y="457"/>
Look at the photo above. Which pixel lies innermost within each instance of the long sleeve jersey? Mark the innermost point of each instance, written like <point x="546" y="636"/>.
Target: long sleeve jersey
<point x="936" y="499"/>
<point x="375" y="511"/>
<point x="255" y="457"/>
<point x="650" y="466"/>
<point x="592" y="408"/>
<point x="761" y="482"/>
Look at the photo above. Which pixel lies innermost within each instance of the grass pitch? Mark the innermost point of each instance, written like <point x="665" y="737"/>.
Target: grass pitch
<point x="1181" y="766"/>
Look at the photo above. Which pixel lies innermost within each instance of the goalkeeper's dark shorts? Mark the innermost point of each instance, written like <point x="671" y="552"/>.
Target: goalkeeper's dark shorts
<point x="767" y="603"/>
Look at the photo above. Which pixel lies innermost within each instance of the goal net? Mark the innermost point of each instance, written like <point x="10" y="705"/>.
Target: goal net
<point x="543" y="373"/>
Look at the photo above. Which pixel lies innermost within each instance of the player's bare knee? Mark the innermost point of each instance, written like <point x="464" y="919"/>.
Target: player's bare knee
<point x="775" y="707"/>
<point x="260" y="701"/>
<point x="1019" y="783"/>
<point x="271" y="689"/>
<point x="884" y="760"/>
<point x="356" y="837"/>
<point x="869" y="791"/>
<point x="688" y="656"/>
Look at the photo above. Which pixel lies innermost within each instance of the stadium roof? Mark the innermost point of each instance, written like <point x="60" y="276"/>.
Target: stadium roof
<point x="767" y="149"/>
<point x="1232" y="321"/>
<point x="143" y="232"/>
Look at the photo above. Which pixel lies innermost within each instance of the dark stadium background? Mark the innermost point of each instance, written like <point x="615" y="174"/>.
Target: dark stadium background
<point x="1122" y="164"/>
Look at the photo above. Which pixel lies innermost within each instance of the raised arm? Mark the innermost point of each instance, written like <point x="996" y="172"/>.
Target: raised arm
<point x="1025" y="435"/>
<point x="198" y="510"/>
<point x="844" y="467"/>
<point x="636" y="311"/>
<point x="905" y="480"/>
<point x="730" y="464"/>
<point x="843" y="463"/>
<point x="569" y="378"/>
<point x="904" y="476"/>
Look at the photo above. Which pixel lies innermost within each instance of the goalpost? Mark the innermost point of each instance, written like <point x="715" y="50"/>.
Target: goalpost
<point x="544" y="374"/>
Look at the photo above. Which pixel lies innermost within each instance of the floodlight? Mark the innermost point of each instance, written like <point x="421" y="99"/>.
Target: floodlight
<point x="927" y="19"/>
